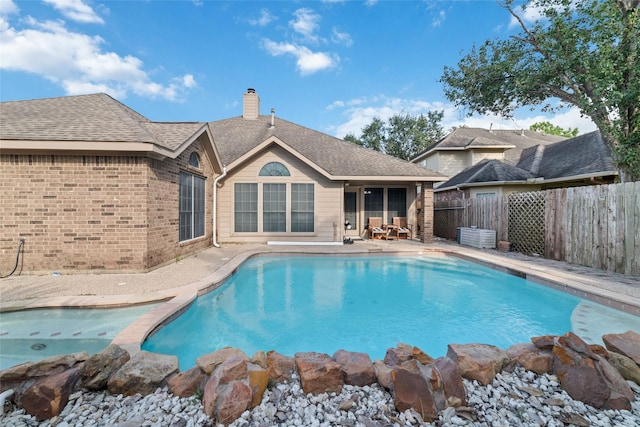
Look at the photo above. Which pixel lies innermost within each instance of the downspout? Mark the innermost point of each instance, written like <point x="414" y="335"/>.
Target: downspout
<point x="215" y="204"/>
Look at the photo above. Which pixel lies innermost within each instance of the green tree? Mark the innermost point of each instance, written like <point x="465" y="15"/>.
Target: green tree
<point x="583" y="53"/>
<point x="551" y="129"/>
<point x="403" y="135"/>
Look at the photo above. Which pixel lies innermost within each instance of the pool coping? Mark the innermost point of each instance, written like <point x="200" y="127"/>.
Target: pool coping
<point x="178" y="299"/>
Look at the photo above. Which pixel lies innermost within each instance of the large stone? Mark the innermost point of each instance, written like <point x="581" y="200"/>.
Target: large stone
<point x="99" y="367"/>
<point x="532" y="358"/>
<point x="143" y="374"/>
<point x="627" y="367"/>
<point x="421" y="356"/>
<point x="280" y="367"/>
<point x="48" y="396"/>
<point x="396" y="356"/>
<point x="383" y="374"/>
<point x="411" y="391"/>
<point x="451" y="379"/>
<point x="187" y="383"/>
<point x="232" y="369"/>
<point x="544" y="342"/>
<point x="233" y="400"/>
<point x="479" y="362"/>
<point x="209" y="362"/>
<point x="258" y="382"/>
<point x="358" y="368"/>
<point x="319" y="373"/>
<point x="627" y="344"/>
<point x="589" y="377"/>
<point x="14" y="376"/>
<point x="260" y="358"/>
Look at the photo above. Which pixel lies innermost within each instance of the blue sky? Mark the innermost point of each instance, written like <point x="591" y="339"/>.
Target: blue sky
<point x="329" y="65"/>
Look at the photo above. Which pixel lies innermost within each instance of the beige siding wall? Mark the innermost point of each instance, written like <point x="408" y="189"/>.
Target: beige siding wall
<point x="453" y="163"/>
<point x="328" y="200"/>
<point x="478" y="156"/>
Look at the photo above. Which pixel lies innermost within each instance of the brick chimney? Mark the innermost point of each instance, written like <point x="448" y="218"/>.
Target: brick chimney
<point x="251" y="105"/>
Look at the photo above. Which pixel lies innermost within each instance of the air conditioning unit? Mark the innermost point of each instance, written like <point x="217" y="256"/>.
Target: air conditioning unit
<point x="478" y="237"/>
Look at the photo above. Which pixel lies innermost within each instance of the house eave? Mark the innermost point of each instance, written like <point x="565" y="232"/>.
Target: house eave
<point x="84" y="147"/>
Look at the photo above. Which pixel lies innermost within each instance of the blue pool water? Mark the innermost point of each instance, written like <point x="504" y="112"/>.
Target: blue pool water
<point x="32" y="335"/>
<point x="368" y="304"/>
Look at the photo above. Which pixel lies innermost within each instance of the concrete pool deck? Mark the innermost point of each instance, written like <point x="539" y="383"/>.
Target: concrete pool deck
<point x="181" y="282"/>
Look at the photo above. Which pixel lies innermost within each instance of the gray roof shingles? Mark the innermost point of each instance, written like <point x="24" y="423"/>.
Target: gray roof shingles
<point x="100" y="118"/>
<point x="236" y="136"/>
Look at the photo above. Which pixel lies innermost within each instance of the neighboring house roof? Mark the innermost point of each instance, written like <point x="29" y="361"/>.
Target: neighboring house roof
<point x="585" y="156"/>
<point x="94" y="122"/>
<point x="336" y="158"/>
<point x="486" y="171"/>
<point x="512" y="141"/>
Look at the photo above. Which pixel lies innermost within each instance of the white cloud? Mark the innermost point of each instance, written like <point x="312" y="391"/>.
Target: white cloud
<point x="7" y="7"/>
<point x="307" y="61"/>
<point x="341" y="38"/>
<point x="265" y="19"/>
<point x="77" y="62"/>
<point x="306" y="23"/>
<point x="359" y="112"/>
<point x="76" y="10"/>
<point x="439" y="19"/>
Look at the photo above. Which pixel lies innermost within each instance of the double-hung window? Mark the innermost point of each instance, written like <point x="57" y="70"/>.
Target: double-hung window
<point x="302" y="208"/>
<point x="191" y="206"/>
<point x="274" y="208"/>
<point x="246" y="207"/>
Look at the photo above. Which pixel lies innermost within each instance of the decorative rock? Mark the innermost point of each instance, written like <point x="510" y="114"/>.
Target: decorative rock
<point x="143" y="374"/>
<point x="627" y="344"/>
<point x="357" y="367"/>
<point x="260" y="359"/>
<point x="99" y="367"/>
<point x="209" y="362"/>
<point x="49" y="395"/>
<point x="532" y="358"/>
<point x="627" y="367"/>
<point x="412" y="391"/>
<point x="280" y="367"/>
<point x="421" y="356"/>
<point x="452" y="385"/>
<point x="479" y="362"/>
<point x="232" y="401"/>
<point x="545" y="342"/>
<point x="258" y="382"/>
<point x="187" y="383"/>
<point x="587" y="376"/>
<point x="319" y="373"/>
<point x="232" y="369"/>
<point x="383" y="374"/>
<point x="12" y="377"/>
<point x="396" y="356"/>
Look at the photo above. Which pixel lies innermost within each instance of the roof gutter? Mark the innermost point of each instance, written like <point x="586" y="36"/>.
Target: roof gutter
<point x="215" y="204"/>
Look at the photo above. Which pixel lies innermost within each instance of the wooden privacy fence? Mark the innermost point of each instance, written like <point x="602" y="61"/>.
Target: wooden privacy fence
<point x="595" y="226"/>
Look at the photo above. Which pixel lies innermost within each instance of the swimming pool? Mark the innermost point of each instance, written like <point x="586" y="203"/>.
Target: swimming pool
<point x="370" y="303"/>
<point x="32" y="335"/>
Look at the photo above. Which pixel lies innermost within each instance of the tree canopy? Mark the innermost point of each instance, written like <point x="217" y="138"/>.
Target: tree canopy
<point x="551" y="129"/>
<point x="581" y="53"/>
<point x="403" y="135"/>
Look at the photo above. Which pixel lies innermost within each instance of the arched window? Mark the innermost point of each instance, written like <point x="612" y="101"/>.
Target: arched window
<point x="194" y="160"/>
<point x="274" y="169"/>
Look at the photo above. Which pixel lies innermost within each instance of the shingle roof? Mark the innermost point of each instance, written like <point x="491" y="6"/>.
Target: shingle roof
<point x="513" y="141"/>
<point x="488" y="171"/>
<point x="583" y="155"/>
<point x="236" y="136"/>
<point x="95" y="118"/>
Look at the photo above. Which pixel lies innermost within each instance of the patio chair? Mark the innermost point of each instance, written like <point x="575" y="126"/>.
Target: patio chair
<point x="402" y="229"/>
<point x="376" y="231"/>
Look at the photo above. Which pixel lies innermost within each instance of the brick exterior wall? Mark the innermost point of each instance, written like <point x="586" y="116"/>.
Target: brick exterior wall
<point x="426" y="213"/>
<point x="92" y="213"/>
